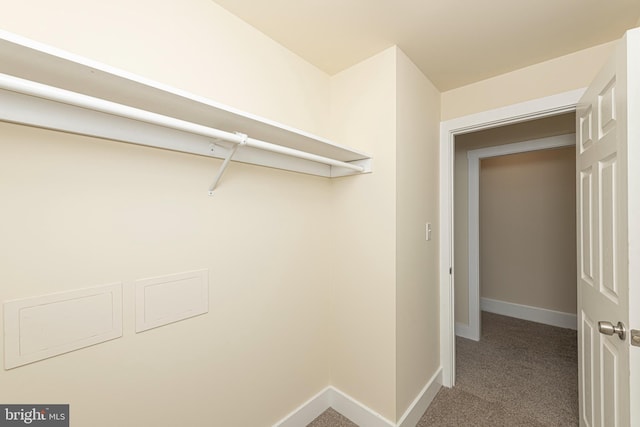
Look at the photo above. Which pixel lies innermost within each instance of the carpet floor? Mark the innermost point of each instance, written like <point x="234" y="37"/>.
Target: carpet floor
<point x="520" y="374"/>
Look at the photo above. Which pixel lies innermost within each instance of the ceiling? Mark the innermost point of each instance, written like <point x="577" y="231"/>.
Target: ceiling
<point x="454" y="42"/>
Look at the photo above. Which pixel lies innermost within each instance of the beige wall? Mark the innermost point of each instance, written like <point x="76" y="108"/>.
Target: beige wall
<point x="81" y="212"/>
<point x="193" y="45"/>
<point x="573" y="71"/>
<point x="557" y="125"/>
<point x="312" y="280"/>
<point x="417" y="304"/>
<point x="385" y="291"/>
<point x="528" y="229"/>
<point x="363" y="278"/>
<point x="78" y="212"/>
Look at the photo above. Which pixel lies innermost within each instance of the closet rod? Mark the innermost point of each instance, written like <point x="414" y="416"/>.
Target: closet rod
<point x="31" y="88"/>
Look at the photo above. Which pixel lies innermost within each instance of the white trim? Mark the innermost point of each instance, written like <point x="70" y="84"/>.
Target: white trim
<point x="331" y="397"/>
<point x="530" y="110"/>
<point x="464" y="331"/>
<point x="357" y="412"/>
<point x="414" y="412"/>
<point x="558" y="141"/>
<point x="447" y="273"/>
<point x="473" y="282"/>
<point x="474" y="157"/>
<point x="307" y="412"/>
<point x="533" y="314"/>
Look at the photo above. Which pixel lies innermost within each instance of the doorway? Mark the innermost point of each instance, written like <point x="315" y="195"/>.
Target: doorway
<point x="524" y="349"/>
<point x="518" y="162"/>
<point x="519" y="113"/>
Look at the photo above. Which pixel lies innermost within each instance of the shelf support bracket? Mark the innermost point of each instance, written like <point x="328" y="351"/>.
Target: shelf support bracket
<point x="225" y="163"/>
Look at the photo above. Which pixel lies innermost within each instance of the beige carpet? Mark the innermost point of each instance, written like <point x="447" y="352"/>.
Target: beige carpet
<point x="520" y="374"/>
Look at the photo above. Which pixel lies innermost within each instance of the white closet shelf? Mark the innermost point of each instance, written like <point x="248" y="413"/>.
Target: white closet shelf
<point x="45" y="87"/>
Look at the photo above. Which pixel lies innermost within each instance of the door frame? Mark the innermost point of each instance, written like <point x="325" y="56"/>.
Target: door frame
<point x="530" y="110"/>
<point x="472" y="331"/>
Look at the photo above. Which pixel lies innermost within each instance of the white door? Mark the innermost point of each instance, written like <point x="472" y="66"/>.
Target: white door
<point x="608" y="184"/>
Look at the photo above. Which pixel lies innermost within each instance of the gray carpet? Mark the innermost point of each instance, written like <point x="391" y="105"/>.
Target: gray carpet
<point x="331" y="418"/>
<point x="520" y="374"/>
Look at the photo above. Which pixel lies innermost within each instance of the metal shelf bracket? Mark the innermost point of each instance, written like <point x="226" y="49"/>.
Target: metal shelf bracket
<point x="225" y="163"/>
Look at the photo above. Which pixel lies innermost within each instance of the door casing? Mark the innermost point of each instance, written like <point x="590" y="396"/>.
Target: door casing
<point x="517" y="113"/>
<point x="473" y="330"/>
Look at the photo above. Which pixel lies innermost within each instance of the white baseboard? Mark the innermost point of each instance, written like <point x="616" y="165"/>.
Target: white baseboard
<point x="358" y="412"/>
<point x="465" y="331"/>
<point x="307" y="412"/>
<point x="526" y="312"/>
<point x="414" y="412"/>
<point x="331" y="397"/>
